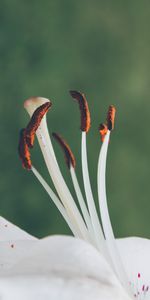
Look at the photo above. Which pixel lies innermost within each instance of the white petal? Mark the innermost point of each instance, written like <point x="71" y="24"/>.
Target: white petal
<point x="58" y="287"/>
<point x="63" y="268"/>
<point x="135" y="253"/>
<point x="14" y="244"/>
<point x="11" y="252"/>
<point x="8" y="231"/>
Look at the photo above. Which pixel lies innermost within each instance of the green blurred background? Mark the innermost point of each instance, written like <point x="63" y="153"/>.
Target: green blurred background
<point x="103" y="49"/>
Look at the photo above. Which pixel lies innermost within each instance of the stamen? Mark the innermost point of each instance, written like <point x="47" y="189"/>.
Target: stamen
<point x="35" y="122"/>
<point x="111" y="117"/>
<point x="103" y="130"/>
<point x="85" y="114"/>
<point x="69" y="157"/>
<point x="70" y="160"/>
<point x="31" y="105"/>
<point x="85" y="126"/>
<point x="54" y="170"/>
<point x="24" y="150"/>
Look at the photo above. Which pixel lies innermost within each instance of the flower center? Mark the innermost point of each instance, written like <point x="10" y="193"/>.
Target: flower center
<point x="84" y="222"/>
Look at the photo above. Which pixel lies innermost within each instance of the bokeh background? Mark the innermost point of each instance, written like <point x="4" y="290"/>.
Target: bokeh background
<point x="103" y="49"/>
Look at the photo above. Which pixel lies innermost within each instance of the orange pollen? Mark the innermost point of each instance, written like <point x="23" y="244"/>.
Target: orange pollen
<point x="69" y="157"/>
<point x="23" y="150"/>
<point x="84" y="109"/>
<point x="103" y="130"/>
<point x="111" y="117"/>
<point x="35" y="121"/>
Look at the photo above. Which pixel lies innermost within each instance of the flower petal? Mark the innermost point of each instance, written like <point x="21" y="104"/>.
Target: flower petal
<point x="12" y="252"/>
<point x="9" y="231"/>
<point x="58" y="287"/>
<point x="14" y="244"/>
<point x="135" y="253"/>
<point x="62" y="267"/>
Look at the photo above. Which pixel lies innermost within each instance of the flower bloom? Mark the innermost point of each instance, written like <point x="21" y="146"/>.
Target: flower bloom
<point x="91" y="265"/>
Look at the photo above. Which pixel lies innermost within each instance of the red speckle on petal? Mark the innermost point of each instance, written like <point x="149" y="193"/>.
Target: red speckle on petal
<point x="139" y="291"/>
<point x="143" y="288"/>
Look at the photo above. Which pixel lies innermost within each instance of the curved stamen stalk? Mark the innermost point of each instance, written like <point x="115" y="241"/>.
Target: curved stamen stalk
<point x="89" y="195"/>
<point x="81" y="201"/>
<point x="55" y="199"/>
<point x="106" y="223"/>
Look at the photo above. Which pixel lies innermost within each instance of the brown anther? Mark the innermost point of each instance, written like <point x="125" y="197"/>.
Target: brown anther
<point x="103" y="130"/>
<point x="35" y="121"/>
<point x="69" y="157"/>
<point x="23" y="150"/>
<point x="111" y="117"/>
<point x="84" y="109"/>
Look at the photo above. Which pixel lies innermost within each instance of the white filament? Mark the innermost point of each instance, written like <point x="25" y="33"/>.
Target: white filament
<point x="55" y="199"/>
<point x="81" y="201"/>
<point x="106" y="223"/>
<point x="89" y="196"/>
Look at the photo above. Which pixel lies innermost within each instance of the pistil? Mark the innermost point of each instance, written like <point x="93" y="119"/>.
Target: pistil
<point x="103" y="130"/>
<point x="106" y="223"/>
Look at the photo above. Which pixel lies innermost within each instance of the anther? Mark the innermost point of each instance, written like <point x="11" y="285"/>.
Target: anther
<point x="84" y="109"/>
<point x="69" y="157"/>
<point x="35" y="121"/>
<point x="103" y="130"/>
<point x="23" y="150"/>
<point x="111" y="117"/>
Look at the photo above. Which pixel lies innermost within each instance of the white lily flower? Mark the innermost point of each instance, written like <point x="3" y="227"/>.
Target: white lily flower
<point x="92" y="265"/>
